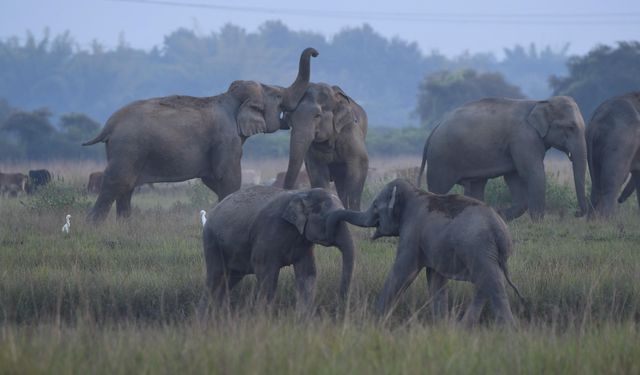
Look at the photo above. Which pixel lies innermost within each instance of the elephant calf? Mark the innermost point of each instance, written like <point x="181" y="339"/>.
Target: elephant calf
<point x="261" y="229"/>
<point x="452" y="236"/>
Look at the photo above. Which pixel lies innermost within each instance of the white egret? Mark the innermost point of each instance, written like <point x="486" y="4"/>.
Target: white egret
<point x="203" y="217"/>
<point x="67" y="225"/>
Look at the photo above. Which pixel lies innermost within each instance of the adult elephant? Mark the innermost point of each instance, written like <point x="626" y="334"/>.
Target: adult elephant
<point x="613" y="143"/>
<point x="177" y="138"/>
<point x="506" y="137"/>
<point x="261" y="229"/>
<point x="328" y="130"/>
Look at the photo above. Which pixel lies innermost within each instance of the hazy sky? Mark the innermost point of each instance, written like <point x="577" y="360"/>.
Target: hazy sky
<point x="450" y="26"/>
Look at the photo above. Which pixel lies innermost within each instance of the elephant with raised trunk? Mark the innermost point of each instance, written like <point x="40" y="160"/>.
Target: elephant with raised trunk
<point x="613" y="142"/>
<point x="328" y="130"/>
<point x="177" y="138"/>
<point x="451" y="236"/>
<point x="506" y="137"/>
<point x="261" y="229"/>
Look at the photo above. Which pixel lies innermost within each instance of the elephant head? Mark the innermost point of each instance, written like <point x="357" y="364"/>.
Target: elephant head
<point x="385" y="212"/>
<point x="308" y="212"/>
<point x="559" y="123"/>
<point x="323" y="112"/>
<point x="260" y="107"/>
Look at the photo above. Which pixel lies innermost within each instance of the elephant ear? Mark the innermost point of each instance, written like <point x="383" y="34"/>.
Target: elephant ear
<point x="539" y="119"/>
<point x="250" y="118"/>
<point x="342" y="113"/>
<point x="296" y="213"/>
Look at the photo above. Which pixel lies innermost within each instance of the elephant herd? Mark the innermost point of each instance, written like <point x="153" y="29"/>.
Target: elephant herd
<point x="262" y="229"/>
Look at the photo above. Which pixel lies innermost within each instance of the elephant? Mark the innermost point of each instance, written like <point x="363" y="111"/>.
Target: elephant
<point x="613" y="145"/>
<point x="177" y="138"/>
<point x="328" y="130"/>
<point x="12" y="183"/>
<point x="506" y="137"/>
<point x="261" y="229"/>
<point x="451" y="236"/>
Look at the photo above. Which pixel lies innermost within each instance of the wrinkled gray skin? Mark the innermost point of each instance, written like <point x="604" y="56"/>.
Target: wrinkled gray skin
<point x="506" y="137"/>
<point x="328" y="130"/>
<point x="177" y="138"/>
<point x="261" y="229"/>
<point x="613" y="142"/>
<point x="452" y="236"/>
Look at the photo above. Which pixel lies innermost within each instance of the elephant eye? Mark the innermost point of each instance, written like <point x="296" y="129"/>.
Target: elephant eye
<point x="317" y="115"/>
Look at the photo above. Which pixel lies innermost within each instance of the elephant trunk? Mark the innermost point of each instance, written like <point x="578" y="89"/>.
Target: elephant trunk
<point x="579" y="160"/>
<point x="301" y="138"/>
<point x="362" y="219"/>
<point x="344" y="242"/>
<point x="294" y="93"/>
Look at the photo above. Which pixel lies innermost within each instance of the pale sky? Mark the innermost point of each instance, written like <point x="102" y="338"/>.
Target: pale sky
<point x="450" y="26"/>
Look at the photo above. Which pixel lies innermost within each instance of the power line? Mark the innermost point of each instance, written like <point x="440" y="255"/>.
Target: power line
<point x="548" y="19"/>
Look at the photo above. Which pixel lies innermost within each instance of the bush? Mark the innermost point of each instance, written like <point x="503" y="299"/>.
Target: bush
<point x="59" y="196"/>
<point x="200" y="195"/>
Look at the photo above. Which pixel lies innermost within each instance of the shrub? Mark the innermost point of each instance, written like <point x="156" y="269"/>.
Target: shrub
<point x="200" y="195"/>
<point x="59" y="196"/>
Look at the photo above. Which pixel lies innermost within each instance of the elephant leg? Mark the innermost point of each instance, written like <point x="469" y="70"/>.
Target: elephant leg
<point x="493" y="288"/>
<point x="530" y="168"/>
<point x="518" y="190"/>
<point x="404" y="271"/>
<point x="118" y="180"/>
<point x="472" y="315"/>
<point x="440" y="180"/>
<point x="305" y="273"/>
<point x="267" y="276"/>
<point x="354" y="180"/>
<point x="123" y="205"/>
<point x="475" y="189"/>
<point x="340" y="176"/>
<point x="318" y="171"/>
<point x="226" y="170"/>
<point x="439" y="294"/>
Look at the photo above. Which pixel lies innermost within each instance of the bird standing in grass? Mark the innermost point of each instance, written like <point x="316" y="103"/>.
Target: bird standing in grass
<point x="203" y="217"/>
<point x="67" y="225"/>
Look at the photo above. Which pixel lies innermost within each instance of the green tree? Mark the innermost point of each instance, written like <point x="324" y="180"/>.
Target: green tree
<point x="78" y="127"/>
<point x="443" y="91"/>
<point x="601" y="74"/>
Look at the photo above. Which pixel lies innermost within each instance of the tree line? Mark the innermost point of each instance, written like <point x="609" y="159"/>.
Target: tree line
<point x="57" y="93"/>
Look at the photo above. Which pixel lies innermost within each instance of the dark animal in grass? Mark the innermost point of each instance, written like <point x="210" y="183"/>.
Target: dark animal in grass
<point x="37" y="178"/>
<point x="95" y="182"/>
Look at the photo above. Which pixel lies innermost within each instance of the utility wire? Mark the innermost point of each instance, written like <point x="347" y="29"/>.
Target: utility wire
<point x="550" y="19"/>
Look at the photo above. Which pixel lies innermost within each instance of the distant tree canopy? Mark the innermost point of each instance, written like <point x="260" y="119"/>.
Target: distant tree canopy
<point x="31" y="135"/>
<point x="603" y="73"/>
<point x="381" y="74"/>
<point x="443" y="91"/>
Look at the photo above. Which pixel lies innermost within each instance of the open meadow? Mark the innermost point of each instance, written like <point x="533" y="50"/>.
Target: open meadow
<point x="121" y="297"/>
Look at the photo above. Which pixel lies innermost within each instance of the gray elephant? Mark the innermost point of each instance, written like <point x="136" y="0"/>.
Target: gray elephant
<point x="613" y="143"/>
<point x="506" y="137"/>
<point x="177" y="138"/>
<point x="328" y="130"/>
<point x="452" y="236"/>
<point x="261" y="229"/>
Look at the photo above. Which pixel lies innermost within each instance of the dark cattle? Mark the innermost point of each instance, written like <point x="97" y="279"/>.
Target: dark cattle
<point x="95" y="182"/>
<point x="37" y="178"/>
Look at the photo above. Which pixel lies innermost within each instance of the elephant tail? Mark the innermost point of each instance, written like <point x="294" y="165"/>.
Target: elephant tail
<point x="505" y="248"/>
<point x="105" y="133"/>
<point x="424" y="155"/>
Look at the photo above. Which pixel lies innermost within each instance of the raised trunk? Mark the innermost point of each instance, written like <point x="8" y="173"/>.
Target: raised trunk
<point x="344" y="242"/>
<point x="301" y="138"/>
<point x="294" y="93"/>
<point x="579" y="160"/>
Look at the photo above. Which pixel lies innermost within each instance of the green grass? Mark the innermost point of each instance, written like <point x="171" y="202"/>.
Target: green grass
<point x="121" y="298"/>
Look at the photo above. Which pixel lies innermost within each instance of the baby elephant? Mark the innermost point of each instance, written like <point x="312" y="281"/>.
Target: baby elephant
<point x="261" y="229"/>
<point x="453" y="236"/>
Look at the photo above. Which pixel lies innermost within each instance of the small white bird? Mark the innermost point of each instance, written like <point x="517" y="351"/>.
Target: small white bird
<point x="67" y="225"/>
<point x="203" y="217"/>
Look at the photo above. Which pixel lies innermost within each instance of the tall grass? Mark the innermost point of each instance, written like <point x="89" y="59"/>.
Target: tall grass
<point x="121" y="298"/>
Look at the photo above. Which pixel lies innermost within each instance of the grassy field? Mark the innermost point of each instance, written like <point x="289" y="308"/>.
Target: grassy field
<point x="121" y="297"/>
